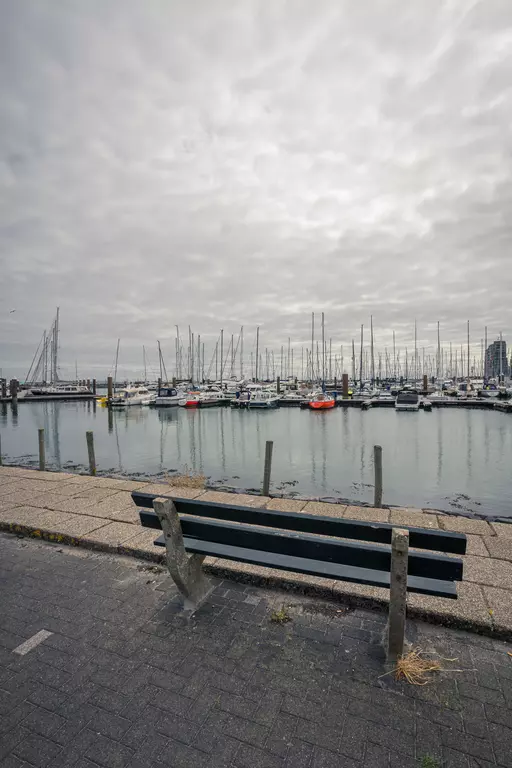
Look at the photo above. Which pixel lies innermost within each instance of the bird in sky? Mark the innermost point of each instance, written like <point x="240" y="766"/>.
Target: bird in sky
<point x="11" y="311"/>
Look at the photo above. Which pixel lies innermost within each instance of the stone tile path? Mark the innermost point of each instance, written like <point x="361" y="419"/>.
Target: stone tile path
<point x="99" y="512"/>
<point x="124" y="681"/>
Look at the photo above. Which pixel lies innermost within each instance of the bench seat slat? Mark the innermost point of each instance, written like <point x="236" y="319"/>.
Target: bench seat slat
<point x="367" y="576"/>
<point x="419" y="538"/>
<point x="359" y="555"/>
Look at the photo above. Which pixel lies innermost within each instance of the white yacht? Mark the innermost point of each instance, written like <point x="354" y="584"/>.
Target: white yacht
<point x="407" y="401"/>
<point x="133" y="396"/>
<point x="57" y="392"/>
<point x="166" y="397"/>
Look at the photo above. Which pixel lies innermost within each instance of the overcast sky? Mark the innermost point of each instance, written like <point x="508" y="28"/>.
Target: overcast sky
<point x="222" y="164"/>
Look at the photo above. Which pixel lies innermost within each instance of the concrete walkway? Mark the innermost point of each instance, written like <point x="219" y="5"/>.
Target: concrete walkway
<point x="121" y="680"/>
<point x="99" y="513"/>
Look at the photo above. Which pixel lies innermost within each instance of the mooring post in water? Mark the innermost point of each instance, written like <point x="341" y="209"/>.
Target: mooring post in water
<point x="269" y="445"/>
<point x="398" y="593"/>
<point x="377" y="463"/>
<point x="425" y="384"/>
<point x="42" y="461"/>
<point x="94" y="386"/>
<point x="159" y="385"/>
<point x="278" y="381"/>
<point x="4" y="388"/>
<point x="13" y="388"/>
<point x="109" y="389"/>
<point x="89" y="436"/>
<point x="345" y="385"/>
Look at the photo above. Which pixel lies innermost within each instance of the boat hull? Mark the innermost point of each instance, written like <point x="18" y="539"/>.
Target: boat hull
<point x="323" y="405"/>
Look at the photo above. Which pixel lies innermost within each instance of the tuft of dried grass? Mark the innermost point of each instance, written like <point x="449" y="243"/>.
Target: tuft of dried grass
<point x="415" y="668"/>
<point x="187" y="479"/>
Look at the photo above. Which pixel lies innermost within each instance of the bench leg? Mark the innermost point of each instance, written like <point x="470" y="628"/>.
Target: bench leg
<point x="185" y="569"/>
<point x="398" y="593"/>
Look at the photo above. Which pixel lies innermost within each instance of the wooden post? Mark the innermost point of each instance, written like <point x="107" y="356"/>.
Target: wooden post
<point x="398" y="593"/>
<point x="269" y="445"/>
<point x="94" y="386"/>
<point x="42" y="460"/>
<point x="425" y="384"/>
<point x="89" y="436"/>
<point x="13" y="389"/>
<point x="345" y="385"/>
<point x="159" y="385"/>
<point x="185" y="569"/>
<point x="4" y="388"/>
<point x="278" y="385"/>
<point x="109" y="388"/>
<point x="88" y="383"/>
<point x="377" y="463"/>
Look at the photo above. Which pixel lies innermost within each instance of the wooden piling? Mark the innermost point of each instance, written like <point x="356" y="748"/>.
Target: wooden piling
<point x="4" y="389"/>
<point x="42" y="458"/>
<point x="88" y="383"/>
<point x="269" y="445"/>
<point x="109" y="388"/>
<point x="89" y="436"/>
<point x="278" y="385"/>
<point x="398" y="593"/>
<point x="345" y="385"/>
<point x="159" y="385"/>
<point x="377" y="463"/>
<point x="13" y="390"/>
<point x="425" y="384"/>
<point x="94" y="386"/>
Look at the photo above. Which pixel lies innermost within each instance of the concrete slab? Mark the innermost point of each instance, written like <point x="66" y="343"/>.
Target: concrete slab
<point x="16" y="497"/>
<point x="23" y="515"/>
<point x="350" y="592"/>
<point x="38" y="486"/>
<point x="500" y="547"/>
<point x="464" y="525"/>
<point x="476" y="545"/>
<point x="368" y="514"/>
<point x="470" y="607"/>
<point x="143" y="541"/>
<point x="486" y="570"/>
<point x="115" y="533"/>
<point x="118" y="484"/>
<point x="165" y="489"/>
<point x="75" y="504"/>
<point x="413" y="518"/>
<point x="323" y="508"/>
<point x="501" y="606"/>
<point x="239" y="499"/>
<point x="111" y="505"/>
<point x="80" y="525"/>
<point x="502" y="529"/>
<point x="125" y="515"/>
<point x="287" y="505"/>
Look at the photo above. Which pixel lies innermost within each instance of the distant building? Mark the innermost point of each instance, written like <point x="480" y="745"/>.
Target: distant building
<point x="492" y="360"/>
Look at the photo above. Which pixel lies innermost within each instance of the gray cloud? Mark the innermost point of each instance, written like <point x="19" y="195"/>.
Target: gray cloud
<point x="222" y="164"/>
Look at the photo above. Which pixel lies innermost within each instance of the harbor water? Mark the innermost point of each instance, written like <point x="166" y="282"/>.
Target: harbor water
<point x="453" y="460"/>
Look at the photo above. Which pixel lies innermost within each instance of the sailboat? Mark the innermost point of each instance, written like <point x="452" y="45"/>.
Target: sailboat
<point x="42" y="381"/>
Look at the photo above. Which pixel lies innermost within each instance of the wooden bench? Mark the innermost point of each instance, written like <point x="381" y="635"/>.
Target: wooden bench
<point x="310" y="544"/>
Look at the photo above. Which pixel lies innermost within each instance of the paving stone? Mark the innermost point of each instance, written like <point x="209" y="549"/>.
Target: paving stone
<point x="499" y="547"/>
<point x="367" y="514"/>
<point x="464" y="525"/>
<point x="502" y="529"/>
<point x="476" y="545"/>
<point x="491" y="572"/>
<point x="170" y="490"/>
<point x="413" y="518"/>
<point x="240" y="499"/>
<point x="471" y="605"/>
<point x="286" y="505"/>
<point x="324" y="508"/>
<point x="115" y="533"/>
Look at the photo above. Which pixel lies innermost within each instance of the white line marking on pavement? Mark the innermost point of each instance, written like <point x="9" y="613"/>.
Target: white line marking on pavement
<point x="32" y="642"/>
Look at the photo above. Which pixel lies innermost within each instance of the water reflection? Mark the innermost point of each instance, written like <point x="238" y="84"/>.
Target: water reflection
<point x="429" y="459"/>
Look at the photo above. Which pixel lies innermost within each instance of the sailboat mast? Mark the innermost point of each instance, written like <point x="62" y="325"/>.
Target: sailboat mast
<point x="312" y="346"/>
<point x="221" y="354"/>
<point x="485" y="358"/>
<point x="323" y="349"/>
<point x="415" y="353"/>
<point x="115" y="369"/>
<point x="394" y="356"/>
<point x="144" y="361"/>
<point x="242" y="352"/>
<point x="257" y="350"/>
<point x="55" y="376"/>
<point x="361" y="360"/>
<point x="438" y="352"/>
<point x="371" y="350"/>
<point x="469" y="360"/>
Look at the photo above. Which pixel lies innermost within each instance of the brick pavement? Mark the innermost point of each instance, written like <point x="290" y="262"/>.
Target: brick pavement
<point x="125" y="681"/>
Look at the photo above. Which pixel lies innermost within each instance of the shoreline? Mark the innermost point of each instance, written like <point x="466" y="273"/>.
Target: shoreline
<point x="81" y="470"/>
<point x="98" y="513"/>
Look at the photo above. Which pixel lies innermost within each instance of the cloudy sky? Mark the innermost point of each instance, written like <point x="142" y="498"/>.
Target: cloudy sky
<point x="226" y="163"/>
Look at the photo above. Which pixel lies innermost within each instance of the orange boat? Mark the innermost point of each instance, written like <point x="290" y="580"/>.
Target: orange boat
<point x="321" y="401"/>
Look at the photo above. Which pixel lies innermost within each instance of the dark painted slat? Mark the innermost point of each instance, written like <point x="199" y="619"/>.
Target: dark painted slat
<point x="422" y="586"/>
<point x="311" y="547"/>
<point x="380" y="533"/>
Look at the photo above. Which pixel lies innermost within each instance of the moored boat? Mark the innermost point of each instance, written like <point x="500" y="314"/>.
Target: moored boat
<point x="322" y="401"/>
<point x="407" y="401"/>
<point x="131" y="396"/>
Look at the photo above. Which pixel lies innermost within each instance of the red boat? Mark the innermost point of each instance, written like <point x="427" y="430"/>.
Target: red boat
<point x="322" y="401"/>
